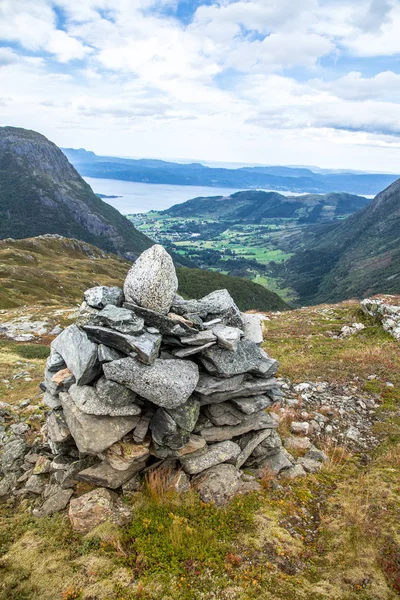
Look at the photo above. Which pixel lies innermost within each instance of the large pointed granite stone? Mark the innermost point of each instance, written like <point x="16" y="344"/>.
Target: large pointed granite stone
<point x="79" y="354"/>
<point x="94" y="434"/>
<point x="152" y="281"/>
<point x="167" y="383"/>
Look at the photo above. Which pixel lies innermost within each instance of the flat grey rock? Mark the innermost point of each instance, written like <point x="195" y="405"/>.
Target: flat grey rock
<point x="215" y="455"/>
<point x="13" y="454"/>
<point x="278" y="462"/>
<point x="293" y="472"/>
<point x="105" y="476"/>
<point x="79" y="353"/>
<point x="186" y="415"/>
<point x="152" y="281"/>
<point x="251" y="445"/>
<point x="51" y="400"/>
<point x="55" y="362"/>
<point x="194" y="445"/>
<point x="191" y="350"/>
<point x="120" y="319"/>
<point x="55" y="503"/>
<point x="94" y="434"/>
<point x="57" y="428"/>
<point x="167" y="383"/>
<point x="309" y="465"/>
<point x="115" y="394"/>
<point x="228" y="337"/>
<point x="208" y="384"/>
<point x="101" y="295"/>
<point x="250" y="423"/>
<point x="217" y="305"/>
<point x="35" y="484"/>
<point x="248" y="358"/>
<point x="7" y="484"/>
<point x="140" y="432"/>
<point x="165" y="431"/>
<point x="269" y="446"/>
<point x="252" y="404"/>
<point x="67" y="478"/>
<point x="249" y="387"/>
<point x="253" y="328"/>
<point x="165" y="325"/>
<point x="218" y="484"/>
<point x="90" y="402"/>
<point x="146" y="345"/>
<point x="224" y="414"/>
<point x="107" y="354"/>
<point x="201" y="338"/>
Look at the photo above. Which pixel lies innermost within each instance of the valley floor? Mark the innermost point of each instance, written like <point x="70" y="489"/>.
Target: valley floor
<point x="330" y="535"/>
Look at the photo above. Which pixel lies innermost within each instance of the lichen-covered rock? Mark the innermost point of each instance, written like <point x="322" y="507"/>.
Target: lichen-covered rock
<point x="224" y="414"/>
<point x="79" y="354"/>
<point x="152" y="281"/>
<point x="93" y="434"/>
<point x="57" y="428"/>
<point x="251" y="386"/>
<point x="218" y="484"/>
<point x="13" y="454"/>
<point x="105" y="475"/>
<point x="165" y="431"/>
<point x="166" y="383"/>
<point x="56" y="502"/>
<point x="186" y="415"/>
<point x="114" y="393"/>
<point x="248" y="358"/>
<point x="101" y="295"/>
<point x="96" y="507"/>
<point x="215" y="455"/>
<point x="88" y="401"/>
<point x="252" y="404"/>
<point x="123" y="454"/>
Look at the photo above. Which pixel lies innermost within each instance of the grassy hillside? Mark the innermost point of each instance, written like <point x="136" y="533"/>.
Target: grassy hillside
<point x="54" y="270"/>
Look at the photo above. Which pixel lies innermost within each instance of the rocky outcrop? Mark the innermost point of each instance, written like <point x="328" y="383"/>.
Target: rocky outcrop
<point x="387" y="310"/>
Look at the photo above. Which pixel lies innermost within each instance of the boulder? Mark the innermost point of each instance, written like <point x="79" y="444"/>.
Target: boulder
<point x="35" y="484"/>
<point x="89" y="401"/>
<point x="215" y="455"/>
<point x="51" y="400"/>
<point x="94" y="434"/>
<point x="252" y="404"/>
<point x="167" y="383"/>
<point x="269" y="446"/>
<point x="165" y="431"/>
<point x="54" y="503"/>
<point x="13" y="454"/>
<point x="79" y="354"/>
<point x="101" y="295"/>
<point x="253" y="422"/>
<point x="146" y="345"/>
<point x="248" y="358"/>
<point x="218" y="484"/>
<point x="217" y="305"/>
<point x="253" y="328"/>
<point x="186" y="415"/>
<point x="7" y="484"/>
<point x="120" y="319"/>
<point x="96" y="507"/>
<point x="105" y="475"/>
<point x="152" y="281"/>
<point x="277" y="462"/>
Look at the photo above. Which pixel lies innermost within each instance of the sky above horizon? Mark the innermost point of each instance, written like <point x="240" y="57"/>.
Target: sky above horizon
<point x="310" y="82"/>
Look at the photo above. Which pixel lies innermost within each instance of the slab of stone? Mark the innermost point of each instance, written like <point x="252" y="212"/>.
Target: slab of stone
<point x="248" y="387"/>
<point x="166" y="325"/>
<point x="186" y="415"/>
<point x="272" y="444"/>
<point x="253" y="422"/>
<point x="96" y="507"/>
<point x="293" y="472"/>
<point x="140" y="432"/>
<point x="94" y="434"/>
<point x="251" y="445"/>
<point x="248" y="358"/>
<point x="180" y="319"/>
<point x="107" y="354"/>
<point x="55" y="362"/>
<point x="165" y="431"/>
<point x="13" y="454"/>
<point x="278" y="462"/>
<point x="88" y="401"/>
<point x="101" y="295"/>
<point x="58" y="382"/>
<point x="51" y="400"/>
<point x="215" y="455"/>
<point x="120" y="319"/>
<point x="228" y="337"/>
<point x="195" y="444"/>
<point x="217" y="305"/>
<point x="167" y="383"/>
<point x="208" y="384"/>
<point x="252" y="404"/>
<point x="7" y="484"/>
<point x="316" y="454"/>
<point x="105" y="475"/>
<point x="309" y="465"/>
<point x="224" y="414"/>
<point x="298" y="443"/>
<point x="55" y="503"/>
<point x="123" y="454"/>
<point x="35" y="484"/>
<point x="201" y="338"/>
<point x="115" y="394"/>
<point x="218" y="484"/>
<point x="300" y="427"/>
<point x="253" y="328"/>
<point x="152" y="281"/>
<point x="211" y="324"/>
<point x="79" y="354"/>
<point x="184" y="352"/>
<point x="146" y="345"/>
<point x="67" y="478"/>
<point x="42" y="466"/>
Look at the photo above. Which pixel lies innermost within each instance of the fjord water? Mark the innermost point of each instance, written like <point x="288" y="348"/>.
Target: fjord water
<point x="141" y="197"/>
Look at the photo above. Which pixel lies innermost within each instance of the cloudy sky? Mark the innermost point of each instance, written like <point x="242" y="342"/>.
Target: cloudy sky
<point x="311" y="82"/>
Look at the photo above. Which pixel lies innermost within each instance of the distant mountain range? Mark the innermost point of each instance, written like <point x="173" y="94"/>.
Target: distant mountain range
<point x="258" y="206"/>
<point x="291" y="179"/>
<point x="355" y="258"/>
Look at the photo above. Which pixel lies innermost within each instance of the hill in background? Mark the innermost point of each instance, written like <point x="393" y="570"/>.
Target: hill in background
<point x="55" y="270"/>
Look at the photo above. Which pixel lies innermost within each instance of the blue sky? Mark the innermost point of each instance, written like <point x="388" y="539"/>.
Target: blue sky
<point x="252" y="81"/>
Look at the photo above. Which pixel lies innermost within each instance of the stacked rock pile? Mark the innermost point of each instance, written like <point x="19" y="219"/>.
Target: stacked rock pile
<point x="386" y="309"/>
<point x="145" y="377"/>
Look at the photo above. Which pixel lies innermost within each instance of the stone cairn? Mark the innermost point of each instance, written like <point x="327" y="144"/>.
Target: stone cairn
<point x="145" y="378"/>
